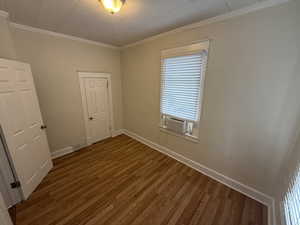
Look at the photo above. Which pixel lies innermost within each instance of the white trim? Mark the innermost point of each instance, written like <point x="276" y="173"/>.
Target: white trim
<point x="281" y="212"/>
<point x="4" y="14"/>
<point x="235" y="13"/>
<point x="107" y="76"/>
<point x="196" y="47"/>
<point x="85" y="74"/>
<point x="70" y="149"/>
<point x="116" y="133"/>
<point x="186" y="49"/>
<point x="52" y="33"/>
<point x="272" y="213"/>
<point x="236" y="185"/>
<point x="219" y="18"/>
<point x="62" y="152"/>
<point x="184" y="136"/>
<point x="65" y="151"/>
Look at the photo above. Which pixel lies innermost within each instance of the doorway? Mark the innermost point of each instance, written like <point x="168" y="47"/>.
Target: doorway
<point x="97" y="105"/>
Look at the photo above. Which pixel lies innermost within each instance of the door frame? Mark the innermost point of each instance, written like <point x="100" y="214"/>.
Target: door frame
<point x="81" y="77"/>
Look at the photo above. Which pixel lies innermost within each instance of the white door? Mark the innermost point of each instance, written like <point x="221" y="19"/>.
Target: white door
<point x="22" y="125"/>
<point x="96" y="93"/>
<point x="96" y="106"/>
<point x="4" y="216"/>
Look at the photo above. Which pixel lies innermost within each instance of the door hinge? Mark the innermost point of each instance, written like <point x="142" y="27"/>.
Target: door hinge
<point x="16" y="184"/>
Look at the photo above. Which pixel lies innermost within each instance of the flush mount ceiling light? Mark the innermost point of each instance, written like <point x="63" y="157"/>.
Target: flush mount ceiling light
<point x="113" y="6"/>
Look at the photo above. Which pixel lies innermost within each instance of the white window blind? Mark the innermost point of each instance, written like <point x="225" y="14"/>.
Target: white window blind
<point x="181" y="84"/>
<point x="291" y="201"/>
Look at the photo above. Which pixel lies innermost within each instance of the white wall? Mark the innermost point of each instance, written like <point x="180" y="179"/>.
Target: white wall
<point x="7" y="49"/>
<point x="251" y="98"/>
<point x="55" y="62"/>
<point x="245" y="127"/>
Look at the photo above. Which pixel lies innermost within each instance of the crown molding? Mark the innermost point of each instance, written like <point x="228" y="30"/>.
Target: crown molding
<point x="226" y="16"/>
<point x="4" y="14"/>
<point x="52" y="33"/>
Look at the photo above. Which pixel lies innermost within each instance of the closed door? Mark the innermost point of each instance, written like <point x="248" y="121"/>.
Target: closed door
<point x="95" y="94"/>
<point x="22" y="125"/>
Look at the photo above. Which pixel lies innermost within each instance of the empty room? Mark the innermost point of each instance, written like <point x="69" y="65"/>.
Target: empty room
<point x="139" y="112"/>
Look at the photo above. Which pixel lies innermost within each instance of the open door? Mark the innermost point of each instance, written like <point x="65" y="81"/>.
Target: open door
<point x="22" y="125"/>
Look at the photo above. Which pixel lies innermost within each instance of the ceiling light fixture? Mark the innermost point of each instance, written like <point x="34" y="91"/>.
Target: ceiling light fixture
<point x="113" y="6"/>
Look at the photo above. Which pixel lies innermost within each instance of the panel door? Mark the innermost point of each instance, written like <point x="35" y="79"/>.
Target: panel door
<point x="96" y="93"/>
<point x="22" y="125"/>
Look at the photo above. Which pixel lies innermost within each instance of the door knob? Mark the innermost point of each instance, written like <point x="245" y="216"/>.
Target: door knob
<point x="91" y="118"/>
<point x="43" y="127"/>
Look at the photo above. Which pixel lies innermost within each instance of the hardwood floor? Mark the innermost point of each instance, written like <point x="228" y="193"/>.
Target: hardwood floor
<point x="121" y="181"/>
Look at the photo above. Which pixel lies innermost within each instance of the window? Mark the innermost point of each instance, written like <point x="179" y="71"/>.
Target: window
<point x="291" y="203"/>
<point x="182" y="80"/>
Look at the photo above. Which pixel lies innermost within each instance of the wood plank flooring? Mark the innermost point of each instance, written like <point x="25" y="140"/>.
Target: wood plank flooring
<point x="120" y="181"/>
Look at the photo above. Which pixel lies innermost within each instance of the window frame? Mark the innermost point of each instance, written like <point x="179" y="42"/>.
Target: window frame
<point x="288" y="204"/>
<point x="183" y="51"/>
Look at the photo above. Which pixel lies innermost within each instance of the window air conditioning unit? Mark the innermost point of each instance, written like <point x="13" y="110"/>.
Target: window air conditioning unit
<point x="176" y="125"/>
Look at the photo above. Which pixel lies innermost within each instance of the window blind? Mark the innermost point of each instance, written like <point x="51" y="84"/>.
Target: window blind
<point x="181" y="84"/>
<point x="291" y="202"/>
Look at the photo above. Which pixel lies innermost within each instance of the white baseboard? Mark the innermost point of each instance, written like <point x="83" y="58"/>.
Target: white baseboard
<point x="117" y="132"/>
<point x="62" y="152"/>
<point x="236" y="185"/>
<point x="70" y="149"/>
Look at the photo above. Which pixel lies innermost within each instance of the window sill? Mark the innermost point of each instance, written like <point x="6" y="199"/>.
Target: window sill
<point x="186" y="137"/>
